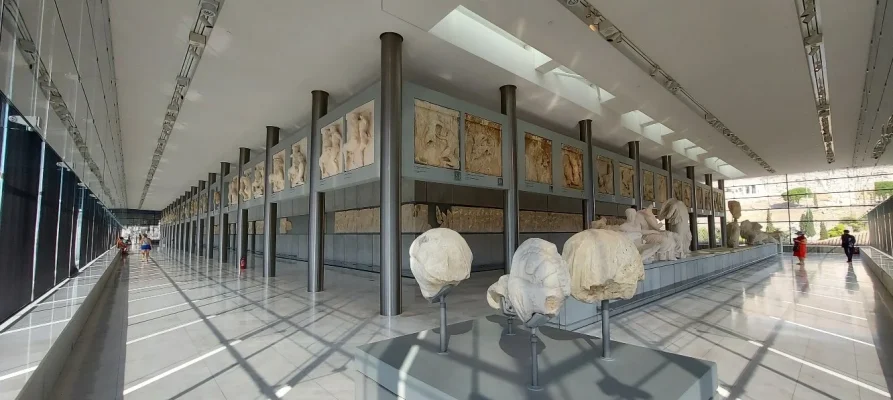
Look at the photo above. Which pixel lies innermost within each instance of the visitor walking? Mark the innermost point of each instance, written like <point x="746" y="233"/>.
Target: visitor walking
<point x="145" y="246"/>
<point x="800" y="247"/>
<point x="848" y="242"/>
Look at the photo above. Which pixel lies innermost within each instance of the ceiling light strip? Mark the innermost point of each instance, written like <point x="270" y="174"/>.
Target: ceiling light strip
<point x="598" y="23"/>
<point x="198" y="39"/>
<point x="811" y="31"/>
<point x="27" y="48"/>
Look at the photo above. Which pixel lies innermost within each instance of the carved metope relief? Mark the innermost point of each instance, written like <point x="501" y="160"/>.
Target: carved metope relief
<point x="284" y="225"/>
<point x="359" y="147"/>
<point x="258" y="183"/>
<point x="678" y="188"/>
<point x="216" y="199"/>
<point x="330" y="158"/>
<point x="277" y="175"/>
<point x="297" y="171"/>
<point x="483" y="146"/>
<point x="436" y="135"/>
<point x="605" y="167"/>
<point x="648" y="185"/>
<point x="572" y="166"/>
<point x="233" y="194"/>
<point x="627" y="180"/>
<point x="537" y="159"/>
<point x="245" y="186"/>
<point x="718" y="201"/>
<point x="661" y="189"/>
<point x="686" y="194"/>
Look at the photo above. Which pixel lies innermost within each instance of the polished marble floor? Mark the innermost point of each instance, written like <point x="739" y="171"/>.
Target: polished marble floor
<point x="193" y="330"/>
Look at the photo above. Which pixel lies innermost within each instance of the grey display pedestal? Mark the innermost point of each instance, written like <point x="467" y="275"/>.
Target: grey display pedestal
<point x="485" y="364"/>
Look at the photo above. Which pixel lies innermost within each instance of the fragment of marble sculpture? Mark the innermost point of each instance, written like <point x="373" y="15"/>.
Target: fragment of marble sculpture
<point x="483" y="146"/>
<point x="627" y="180"/>
<point x="330" y="162"/>
<point x="733" y="228"/>
<point x="537" y="159"/>
<point x="439" y="257"/>
<point x="245" y="187"/>
<point x="216" y="198"/>
<point x="631" y="230"/>
<point x="572" y="165"/>
<point x="298" y="164"/>
<point x="605" y="167"/>
<point x="752" y="233"/>
<point x="277" y="175"/>
<point x="643" y="229"/>
<point x="675" y="215"/>
<point x="648" y="186"/>
<point x="603" y="265"/>
<point x="258" y="183"/>
<point x="359" y="149"/>
<point x="436" y="135"/>
<point x="538" y="283"/>
<point x="233" y="194"/>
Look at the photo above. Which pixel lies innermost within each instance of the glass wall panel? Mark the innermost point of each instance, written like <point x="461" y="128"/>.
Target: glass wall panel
<point x="45" y="256"/>
<point x="67" y="224"/>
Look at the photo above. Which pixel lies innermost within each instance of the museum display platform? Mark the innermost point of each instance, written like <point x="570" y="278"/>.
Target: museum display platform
<point x="484" y="363"/>
<point x="665" y="278"/>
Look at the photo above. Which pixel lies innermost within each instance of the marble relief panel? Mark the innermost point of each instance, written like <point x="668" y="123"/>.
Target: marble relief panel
<point x="537" y="159"/>
<point x="572" y="165"/>
<point x="245" y="186"/>
<point x="648" y="185"/>
<point x="436" y="135"/>
<point x="483" y="146"/>
<point x="661" y="189"/>
<point x="216" y="199"/>
<point x="257" y="185"/>
<point x="359" y="149"/>
<point x="297" y="172"/>
<point x="277" y="175"/>
<point x="686" y="194"/>
<point x="331" y="160"/>
<point x="470" y="219"/>
<point x="605" y="167"/>
<point x="627" y="180"/>
<point x="718" y="201"/>
<point x="284" y="225"/>
<point x="233" y="193"/>
<point x="678" y="189"/>
<point x="543" y="221"/>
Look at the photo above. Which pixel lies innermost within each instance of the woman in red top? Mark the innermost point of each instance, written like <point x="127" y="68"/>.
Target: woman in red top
<point x="800" y="247"/>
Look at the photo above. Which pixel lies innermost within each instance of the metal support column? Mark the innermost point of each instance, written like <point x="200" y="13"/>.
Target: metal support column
<point x="693" y="215"/>
<point x="270" y="208"/>
<point x="666" y="163"/>
<point x="222" y="217"/>
<point x="390" y="297"/>
<point x="200" y="229"/>
<point x="242" y="210"/>
<point x="193" y="221"/>
<point x="317" y="218"/>
<point x="508" y="107"/>
<point x="711" y="219"/>
<point x="634" y="154"/>
<point x="589" y="184"/>
<point x="184" y="220"/>
<point x="723" y="234"/>
<point x="209" y="218"/>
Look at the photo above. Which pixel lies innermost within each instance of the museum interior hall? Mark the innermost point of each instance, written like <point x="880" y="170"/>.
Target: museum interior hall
<point x="446" y="199"/>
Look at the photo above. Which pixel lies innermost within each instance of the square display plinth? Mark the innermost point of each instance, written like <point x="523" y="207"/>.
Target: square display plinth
<point x="484" y="363"/>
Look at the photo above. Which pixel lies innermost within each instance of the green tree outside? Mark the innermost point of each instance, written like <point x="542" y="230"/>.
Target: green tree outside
<point x="807" y="223"/>
<point x="856" y="224"/>
<point x="883" y="189"/>
<point x="837" y="230"/>
<point x="769" y="226"/>
<point x="796" y="195"/>
<point x="823" y="231"/>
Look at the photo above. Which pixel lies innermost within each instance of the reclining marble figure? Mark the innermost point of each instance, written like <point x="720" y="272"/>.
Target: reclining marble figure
<point x="733" y="229"/>
<point x="537" y="284"/>
<point x="753" y="234"/>
<point x="603" y="264"/>
<point x="634" y="233"/>
<point x="675" y="213"/>
<point x="439" y="257"/>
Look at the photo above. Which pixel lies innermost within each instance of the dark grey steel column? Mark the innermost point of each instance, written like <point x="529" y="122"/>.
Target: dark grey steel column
<point x="723" y="235"/>
<point x="193" y="222"/>
<point x="222" y="217"/>
<point x="588" y="184"/>
<point x="711" y="219"/>
<point x="693" y="215"/>
<point x="390" y="297"/>
<point x="317" y="218"/>
<point x="242" y="210"/>
<point x="634" y="154"/>
<point x="666" y="163"/>
<point x="209" y="217"/>
<point x="184" y="220"/>
<point x="508" y="105"/>
<point x="200" y="228"/>
<point x="270" y="208"/>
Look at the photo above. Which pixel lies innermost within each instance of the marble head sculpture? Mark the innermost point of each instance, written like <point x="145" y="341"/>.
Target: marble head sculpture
<point x="735" y="209"/>
<point x="439" y="257"/>
<point x="537" y="284"/>
<point x="733" y="228"/>
<point x="603" y="265"/>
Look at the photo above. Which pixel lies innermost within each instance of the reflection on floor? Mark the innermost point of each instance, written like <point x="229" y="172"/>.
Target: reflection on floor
<point x="195" y="330"/>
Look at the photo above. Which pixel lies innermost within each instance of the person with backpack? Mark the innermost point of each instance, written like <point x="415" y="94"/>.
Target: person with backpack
<point x="848" y="242"/>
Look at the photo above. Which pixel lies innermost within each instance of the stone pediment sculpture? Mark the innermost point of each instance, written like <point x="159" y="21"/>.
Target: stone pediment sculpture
<point x="277" y="175"/>
<point x="359" y="150"/>
<point x="257" y="184"/>
<point x="733" y="228"/>
<point x="330" y="161"/>
<point x="537" y="159"/>
<point x="537" y="284"/>
<point x="603" y="265"/>
<point x="753" y="234"/>
<point x="675" y="214"/>
<point x="296" y="175"/>
<point x="436" y="135"/>
<point x="439" y="257"/>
